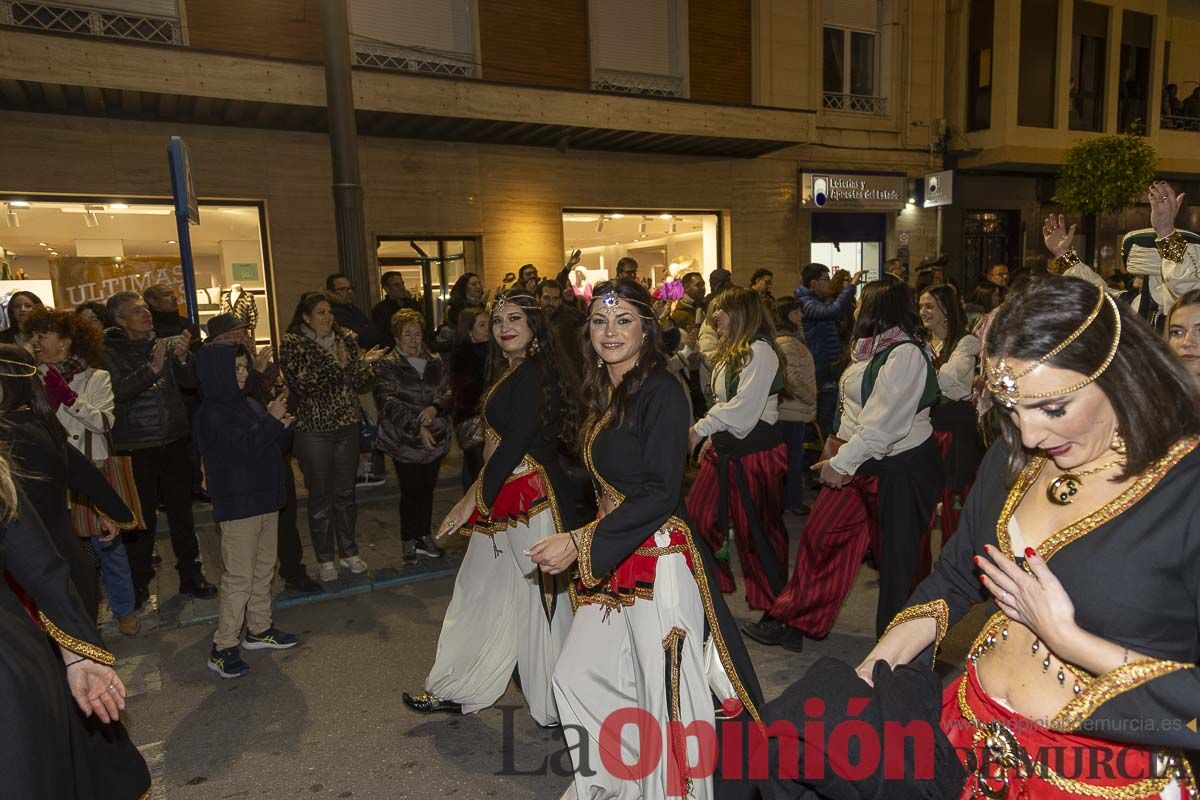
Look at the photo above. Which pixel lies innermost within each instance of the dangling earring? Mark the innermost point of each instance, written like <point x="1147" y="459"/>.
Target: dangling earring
<point x="599" y="362"/>
<point x="534" y="348"/>
<point x="1118" y="443"/>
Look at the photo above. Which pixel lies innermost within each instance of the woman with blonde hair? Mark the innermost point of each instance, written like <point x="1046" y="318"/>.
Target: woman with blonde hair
<point x="742" y="454"/>
<point x="412" y="393"/>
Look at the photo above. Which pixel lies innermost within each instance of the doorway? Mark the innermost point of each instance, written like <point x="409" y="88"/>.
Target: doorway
<point x="853" y="242"/>
<point x="989" y="237"/>
<point x="430" y="266"/>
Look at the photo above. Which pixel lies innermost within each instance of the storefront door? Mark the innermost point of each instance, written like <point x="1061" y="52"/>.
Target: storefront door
<point x="989" y="237"/>
<point x="853" y="242"/>
<point x="430" y="266"/>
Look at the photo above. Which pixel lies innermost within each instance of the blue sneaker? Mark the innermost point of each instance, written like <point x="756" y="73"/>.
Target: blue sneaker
<point x="227" y="663"/>
<point x="270" y="639"/>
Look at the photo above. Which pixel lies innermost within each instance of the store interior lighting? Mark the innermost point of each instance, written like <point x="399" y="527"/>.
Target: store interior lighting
<point x="642" y="226"/>
<point x="19" y="204"/>
<point x="664" y="216"/>
<point x="11" y="217"/>
<point x="600" y="224"/>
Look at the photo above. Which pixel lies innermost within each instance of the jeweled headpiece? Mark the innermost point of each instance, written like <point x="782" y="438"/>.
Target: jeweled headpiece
<point x="608" y="302"/>
<point x="1002" y="381"/>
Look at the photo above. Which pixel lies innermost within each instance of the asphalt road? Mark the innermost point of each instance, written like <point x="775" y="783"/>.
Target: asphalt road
<point x="326" y="719"/>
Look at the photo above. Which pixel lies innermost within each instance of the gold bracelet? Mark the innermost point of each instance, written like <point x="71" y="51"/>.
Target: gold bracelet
<point x="1172" y="248"/>
<point x="1068" y="260"/>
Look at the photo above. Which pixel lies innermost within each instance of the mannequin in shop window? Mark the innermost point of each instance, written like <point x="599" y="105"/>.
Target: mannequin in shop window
<point x="241" y="304"/>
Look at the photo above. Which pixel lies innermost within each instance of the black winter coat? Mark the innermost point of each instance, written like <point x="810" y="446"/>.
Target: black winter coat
<point x="401" y="394"/>
<point x="149" y="408"/>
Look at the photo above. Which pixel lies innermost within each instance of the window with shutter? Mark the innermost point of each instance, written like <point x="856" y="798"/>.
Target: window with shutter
<point x="430" y="36"/>
<point x="154" y="21"/>
<point x="637" y="46"/>
<point x="850" y="57"/>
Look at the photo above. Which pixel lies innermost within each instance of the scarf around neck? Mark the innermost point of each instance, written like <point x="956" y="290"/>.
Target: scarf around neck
<point x="69" y="367"/>
<point x="327" y="343"/>
<point x="865" y="349"/>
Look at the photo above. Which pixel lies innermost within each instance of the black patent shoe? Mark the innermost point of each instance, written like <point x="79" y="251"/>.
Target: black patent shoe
<point x="199" y="588"/>
<point x="793" y="640"/>
<point x="425" y="703"/>
<point x="766" y="631"/>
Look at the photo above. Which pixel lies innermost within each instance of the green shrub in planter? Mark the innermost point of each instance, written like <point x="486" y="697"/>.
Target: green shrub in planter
<point x="1106" y="174"/>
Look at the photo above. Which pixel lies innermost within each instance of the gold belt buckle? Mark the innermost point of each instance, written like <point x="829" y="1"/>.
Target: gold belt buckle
<point x="1004" y="754"/>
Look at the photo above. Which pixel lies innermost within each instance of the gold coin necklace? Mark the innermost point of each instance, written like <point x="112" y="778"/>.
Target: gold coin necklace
<point x="1062" y="490"/>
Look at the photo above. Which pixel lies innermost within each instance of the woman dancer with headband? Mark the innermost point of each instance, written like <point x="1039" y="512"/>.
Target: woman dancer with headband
<point x="504" y="611"/>
<point x="641" y="560"/>
<point x="1083" y="536"/>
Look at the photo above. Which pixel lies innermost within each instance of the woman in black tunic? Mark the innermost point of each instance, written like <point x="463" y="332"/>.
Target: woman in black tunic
<point x="504" y="612"/>
<point x="62" y="698"/>
<point x="672" y="645"/>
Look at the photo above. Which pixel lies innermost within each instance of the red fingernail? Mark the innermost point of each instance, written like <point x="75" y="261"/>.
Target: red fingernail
<point x="976" y="560"/>
<point x="1030" y="552"/>
<point x="981" y="579"/>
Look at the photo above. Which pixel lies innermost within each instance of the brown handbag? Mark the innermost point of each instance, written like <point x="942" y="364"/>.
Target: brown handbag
<point x="118" y="471"/>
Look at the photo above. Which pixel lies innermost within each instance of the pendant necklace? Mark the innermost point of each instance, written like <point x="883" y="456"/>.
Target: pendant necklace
<point x="1062" y="490"/>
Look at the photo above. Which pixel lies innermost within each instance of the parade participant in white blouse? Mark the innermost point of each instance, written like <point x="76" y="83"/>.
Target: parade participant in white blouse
<point x="881" y="472"/>
<point x="744" y="457"/>
<point x="955" y="424"/>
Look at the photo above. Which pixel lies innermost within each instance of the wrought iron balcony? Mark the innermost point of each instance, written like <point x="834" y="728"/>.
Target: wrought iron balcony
<point x="855" y="103"/>
<point x="411" y="59"/>
<point x="111" y="23"/>
<point x="640" y="83"/>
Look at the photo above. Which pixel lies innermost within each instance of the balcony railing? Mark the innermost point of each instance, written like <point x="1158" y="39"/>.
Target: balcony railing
<point x="855" y="103"/>
<point x="112" y="23"/>
<point x="1179" y="123"/>
<point x="611" y="80"/>
<point x="410" y="59"/>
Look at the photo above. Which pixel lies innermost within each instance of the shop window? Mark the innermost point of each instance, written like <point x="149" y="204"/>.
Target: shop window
<point x="980" y="25"/>
<point x="1089" y="48"/>
<point x="637" y="46"/>
<point x="666" y="244"/>
<point x="1039" y="63"/>
<point x="435" y="37"/>
<point x="82" y="250"/>
<point x="1133" y="93"/>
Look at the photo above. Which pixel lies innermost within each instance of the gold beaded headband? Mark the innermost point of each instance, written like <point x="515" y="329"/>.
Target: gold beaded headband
<point x="1002" y="381"/>
<point x="16" y="369"/>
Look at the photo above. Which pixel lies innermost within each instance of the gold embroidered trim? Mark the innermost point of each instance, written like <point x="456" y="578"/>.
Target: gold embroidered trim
<point x="1147" y="787"/>
<point x="78" y="646"/>
<point x="602" y="596"/>
<point x="673" y="645"/>
<point x="1067" y="260"/>
<point x="937" y="610"/>
<point x="549" y="489"/>
<point x="710" y="613"/>
<point x="586" y="534"/>
<point x="1140" y="487"/>
<point x="605" y="487"/>
<point x="491" y="527"/>
<point x="658" y="552"/>
<point x="1172" y="248"/>
<point x="1109" y="685"/>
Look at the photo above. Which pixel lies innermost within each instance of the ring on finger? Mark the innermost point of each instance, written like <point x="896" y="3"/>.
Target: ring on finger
<point x="1006" y="598"/>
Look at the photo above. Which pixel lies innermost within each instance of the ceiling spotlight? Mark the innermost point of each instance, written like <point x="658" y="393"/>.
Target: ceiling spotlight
<point x="642" y="226"/>
<point x="674" y="225"/>
<point x="618" y="216"/>
<point x="42" y="244"/>
<point x="172" y="241"/>
<point x="19" y="203"/>
<point x="90" y="219"/>
<point x="11" y="218"/>
<point x="118" y="258"/>
<point x="664" y="216"/>
<point x="912" y="201"/>
<point x="600" y="225"/>
<point x="53" y="252"/>
<point x="117" y="206"/>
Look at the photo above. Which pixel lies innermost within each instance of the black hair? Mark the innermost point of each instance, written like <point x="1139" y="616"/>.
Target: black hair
<point x="37" y="301"/>
<point x="329" y="279"/>
<point x="599" y="395"/>
<point x="813" y="272"/>
<point x="784" y="306"/>
<point x="759" y="274"/>
<point x="557" y="375"/>
<point x="458" y="292"/>
<point x="387" y="276"/>
<point x="96" y="308"/>
<point x="627" y="261"/>
<point x="547" y="283"/>
<point x="986" y="295"/>
<point x="27" y="392"/>
<point x="887" y="304"/>
<point x="309" y="301"/>
<point x="688" y="277"/>
<point x="1152" y="395"/>
<point x="946" y="297"/>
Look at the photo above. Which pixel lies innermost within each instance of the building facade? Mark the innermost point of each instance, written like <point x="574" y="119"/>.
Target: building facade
<point x="492" y="133"/>
<point x="1028" y="79"/>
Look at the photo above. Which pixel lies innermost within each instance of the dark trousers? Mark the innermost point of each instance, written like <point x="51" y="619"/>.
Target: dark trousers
<point x="417" y="482"/>
<point x="793" y="482"/>
<point x="827" y="403"/>
<point x="472" y="465"/>
<point x="329" y="461"/>
<point x="291" y="552"/>
<point x="163" y="473"/>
